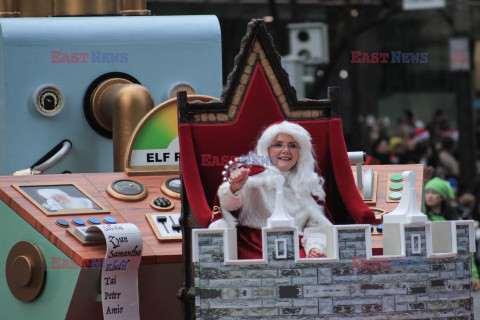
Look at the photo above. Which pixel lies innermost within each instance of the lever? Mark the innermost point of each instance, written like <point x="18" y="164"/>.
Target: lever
<point x="48" y="160"/>
<point x="162" y="220"/>
<point x="358" y="158"/>
<point x="368" y="186"/>
<point x="59" y="152"/>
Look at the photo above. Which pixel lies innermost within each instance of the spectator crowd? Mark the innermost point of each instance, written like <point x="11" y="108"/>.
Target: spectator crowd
<point x="434" y="145"/>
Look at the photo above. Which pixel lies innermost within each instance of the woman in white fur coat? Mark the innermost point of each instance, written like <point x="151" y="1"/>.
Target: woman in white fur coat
<point x="247" y="200"/>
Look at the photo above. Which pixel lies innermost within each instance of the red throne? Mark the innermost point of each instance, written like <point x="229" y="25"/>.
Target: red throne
<point x="206" y="147"/>
<point x="257" y="94"/>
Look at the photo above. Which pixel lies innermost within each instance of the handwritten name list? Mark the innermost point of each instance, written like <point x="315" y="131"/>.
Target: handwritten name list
<point x="120" y="271"/>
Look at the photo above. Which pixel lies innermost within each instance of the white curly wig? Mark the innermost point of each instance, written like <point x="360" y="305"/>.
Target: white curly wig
<point x="304" y="179"/>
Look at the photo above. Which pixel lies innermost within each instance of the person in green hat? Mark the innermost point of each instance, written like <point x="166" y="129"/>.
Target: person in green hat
<point x="438" y="194"/>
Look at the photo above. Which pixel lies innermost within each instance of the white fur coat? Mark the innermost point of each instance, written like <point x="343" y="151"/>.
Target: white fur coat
<point x="260" y="191"/>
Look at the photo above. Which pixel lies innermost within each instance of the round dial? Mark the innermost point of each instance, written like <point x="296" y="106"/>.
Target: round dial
<point x="172" y="187"/>
<point x="49" y="100"/>
<point x="126" y="189"/>
<point x="181" y="86"/>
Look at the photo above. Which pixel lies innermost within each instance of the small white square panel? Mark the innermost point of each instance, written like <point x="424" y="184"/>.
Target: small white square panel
<point x="416" y="244"/>
<point x="165" y="225"/>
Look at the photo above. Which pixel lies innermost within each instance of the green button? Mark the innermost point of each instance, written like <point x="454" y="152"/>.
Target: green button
<point x="396" y="177"/>
<point x="396" y="186"/>
<point x="395" y="195"/>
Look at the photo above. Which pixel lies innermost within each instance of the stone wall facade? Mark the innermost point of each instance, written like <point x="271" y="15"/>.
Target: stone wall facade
<point x="354" y="287"/>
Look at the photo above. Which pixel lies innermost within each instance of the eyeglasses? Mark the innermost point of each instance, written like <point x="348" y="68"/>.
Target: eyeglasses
<point x="290" y="146"/>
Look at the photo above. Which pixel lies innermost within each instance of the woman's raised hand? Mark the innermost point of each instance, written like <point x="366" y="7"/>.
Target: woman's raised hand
<point x="238" y="178"/>
<point x="316" y="253"/>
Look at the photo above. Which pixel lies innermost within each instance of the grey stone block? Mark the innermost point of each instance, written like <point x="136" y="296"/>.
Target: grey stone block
<point x="308" y="272"/>
<point x="388" y="303"/>
<point x="205" y="258"/>
<point x="205" y="240"/>
<point x="304" y="280"/>
<point x="229" y="293"/>
<point x="290" y="272"/>
<point x="401" y="307"/>
<point x="366" y="300"/>
<point x="235" y="274"/>
<point x="371" y="308"/>
<point x="347" y="254"/>
<point x="225" y="283"/>
<point x="261" y="312"/>
<point x="217" y="240"/>
<point x="325" y="305"/>
<point x="290" y="311"/>
<point x="277" y="303"/>
<point x="311" y="291"/>
<point x="324" y="276"/>
<point x="351" y="235"/>
<point x="446" y="275"/>
<point x="203" y="283"/>
<point x="293" y="291"/>
<point x="462" y="231"/>
<point x="417" y="306"/>
<point x="344" y="309"/>
<point x="213" y="273"/>
<point x="268" y="273"/>
<point x="445" y="313"/>
<point x="455" y="295"/>
<point x="360" y="278"/>
<point x="214" y="314"/>
<point x="276" y="281"/>
<point x="466" y="303"/>
<point x="440" y="305"/>
<point x="310" y="311"/>
<point x="438" y="283"/>
<point x="235" y="304"/>
<point x="432" y="275"/>
<point x="313" y="302"/>
<point x="360" y="253"/>
<point x="280" y="264"/>
<point x="342" y="270"/>
<point x="209" y="249"/>
<point x="404" y="298"/>
<point x="388" y="288"/>
<point x="427" y="297"/>
<point x="210" y="293"/>
<point x="417" y="289"/>
<point x="355" y="245"/>
<point x="380" y="278"/>
<point x="264" y="292"/>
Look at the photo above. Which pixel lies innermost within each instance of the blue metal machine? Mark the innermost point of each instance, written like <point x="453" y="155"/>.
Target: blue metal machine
<point x="49" y="65"/>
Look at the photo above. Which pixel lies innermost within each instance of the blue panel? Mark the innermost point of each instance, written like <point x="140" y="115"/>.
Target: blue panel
<point x="157" y="51"/>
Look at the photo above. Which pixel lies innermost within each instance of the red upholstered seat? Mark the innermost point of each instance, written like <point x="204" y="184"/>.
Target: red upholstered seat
<point x="206" y="147"/>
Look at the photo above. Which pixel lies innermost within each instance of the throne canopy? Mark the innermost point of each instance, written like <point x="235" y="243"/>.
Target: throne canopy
<point x="257" y="94"/>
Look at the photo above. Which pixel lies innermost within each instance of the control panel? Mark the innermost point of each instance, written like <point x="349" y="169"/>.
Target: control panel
<point x="54" y="216"/>
<point x="384" y="185"/>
